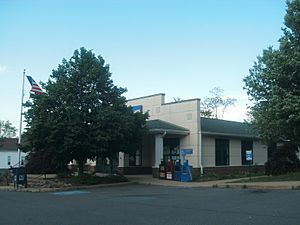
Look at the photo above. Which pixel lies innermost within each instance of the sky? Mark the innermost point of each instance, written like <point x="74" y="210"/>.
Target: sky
<point x="182" y="48"/>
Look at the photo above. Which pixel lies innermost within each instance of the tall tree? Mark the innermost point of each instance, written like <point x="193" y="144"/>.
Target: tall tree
<point x="83" y="114"/>
<point x="273" y="84"/>
<point x="6" y="130"/>
<point x="216" y="105"/>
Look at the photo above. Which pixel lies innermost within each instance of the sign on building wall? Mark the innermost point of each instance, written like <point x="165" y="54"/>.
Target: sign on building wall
<point x="186" y="151"/>
<point x="249" y="155"/>
<point x="137" y="108"/>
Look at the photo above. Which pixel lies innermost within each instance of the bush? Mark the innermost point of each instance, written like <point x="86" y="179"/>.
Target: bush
<point x="88" y="179"/>
<point x="64" y="174"/>
<point x="5" y="177"/>
<point x="44" y="162"/>
<point x="283" y="160"/>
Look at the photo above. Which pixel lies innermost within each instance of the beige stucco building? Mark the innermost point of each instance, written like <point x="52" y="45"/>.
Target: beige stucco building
<point x="216" y="145"/>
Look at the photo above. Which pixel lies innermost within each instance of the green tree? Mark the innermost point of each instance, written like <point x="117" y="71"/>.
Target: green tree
<point x="273" y="84"/>
<point x="7" y="130"/>
<point x="122" y="131"/>
<point x="216" y="105"/>
<point x="83" y="115"/>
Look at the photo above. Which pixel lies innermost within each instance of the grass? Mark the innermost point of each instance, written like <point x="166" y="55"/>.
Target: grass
<point x="285" y="177"/>
<point x="213" y="176"/>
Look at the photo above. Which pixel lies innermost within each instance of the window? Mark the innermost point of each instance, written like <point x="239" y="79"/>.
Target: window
<point x="222" y="152"/>
<point x="246" y="145"/>
<point x="135" y="159"/>
<point x="171" y="149"/>
<point x="22" y="160"/>
<point x="8" y="160"/>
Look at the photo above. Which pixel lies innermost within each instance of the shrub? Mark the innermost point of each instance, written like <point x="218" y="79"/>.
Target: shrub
<point x="44" y="162"/>
<point x="5" y="177"/>
<point x="283" y="160"/>
<point x="88" y="179"/>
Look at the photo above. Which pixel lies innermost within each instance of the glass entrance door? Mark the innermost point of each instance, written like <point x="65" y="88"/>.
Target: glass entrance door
<point x="171" y="149"/>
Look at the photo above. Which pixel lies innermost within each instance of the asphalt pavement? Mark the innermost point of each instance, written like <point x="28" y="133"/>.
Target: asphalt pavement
<point x="151" y="205"/>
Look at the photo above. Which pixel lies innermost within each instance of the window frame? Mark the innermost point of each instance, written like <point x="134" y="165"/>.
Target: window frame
<point x="9" y="160"/>
<point x="137" y="153"/>
<point x="246" y="146"/>
<point x="171" y="149"/>
<point x="222" y="147"/>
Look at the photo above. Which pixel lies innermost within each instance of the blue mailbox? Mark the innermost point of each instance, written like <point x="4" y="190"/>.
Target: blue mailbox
<point x="19" y="175"/>
<point x="186" y="173"/>
<point x="177" y="171"/>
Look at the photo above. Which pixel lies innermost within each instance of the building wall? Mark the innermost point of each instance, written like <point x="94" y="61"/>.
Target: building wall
<point x="184" y="113"/>
<point x="14" y="158"/>
<point x="187" y="114"/>
<point x="235" y="155"/>
<point x="208" y="151"/>
<point x="235" y="152"/>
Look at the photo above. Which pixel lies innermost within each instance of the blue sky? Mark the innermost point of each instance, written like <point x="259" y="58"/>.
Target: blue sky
<point x="180" y="48"/>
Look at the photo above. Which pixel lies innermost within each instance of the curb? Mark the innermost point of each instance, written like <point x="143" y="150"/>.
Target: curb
<point x="257" y="187"/>
<point x="254" y="186"/>
<point x="224" y="185"/>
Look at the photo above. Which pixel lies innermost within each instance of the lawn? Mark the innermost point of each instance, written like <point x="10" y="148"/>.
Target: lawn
<point x="214" y="176"/>
<point x="285" y="177"/>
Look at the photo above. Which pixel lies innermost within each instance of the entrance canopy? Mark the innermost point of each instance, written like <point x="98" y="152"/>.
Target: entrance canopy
<point x="162" y="127"/>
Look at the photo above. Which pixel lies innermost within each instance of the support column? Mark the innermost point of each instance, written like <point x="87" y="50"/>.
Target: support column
<point x="121" y="162"/>
<point x="121" y="159"/>
<point x="159" y="144"/>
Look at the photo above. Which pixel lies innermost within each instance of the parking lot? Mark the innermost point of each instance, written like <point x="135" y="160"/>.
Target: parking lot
<point x="147" y="204"/>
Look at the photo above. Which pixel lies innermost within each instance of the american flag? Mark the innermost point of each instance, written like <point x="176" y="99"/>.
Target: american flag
<point x="34" y="86"/>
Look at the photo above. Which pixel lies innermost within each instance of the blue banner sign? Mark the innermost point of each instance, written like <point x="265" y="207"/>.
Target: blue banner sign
<point x="137" y="108"/>
<point x="188" y="151"/>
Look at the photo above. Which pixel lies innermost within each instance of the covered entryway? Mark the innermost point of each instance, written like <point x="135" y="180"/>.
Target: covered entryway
<point x="161" y="143"/>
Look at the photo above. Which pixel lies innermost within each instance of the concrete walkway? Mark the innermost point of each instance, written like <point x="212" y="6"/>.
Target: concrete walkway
<point x="148" y="179"/>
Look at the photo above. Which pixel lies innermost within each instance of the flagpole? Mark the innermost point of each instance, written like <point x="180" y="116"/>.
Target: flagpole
<point x="21" y="120"/>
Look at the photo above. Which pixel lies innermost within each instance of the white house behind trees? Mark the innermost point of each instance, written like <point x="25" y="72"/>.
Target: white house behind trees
<point x="9" y="153"/>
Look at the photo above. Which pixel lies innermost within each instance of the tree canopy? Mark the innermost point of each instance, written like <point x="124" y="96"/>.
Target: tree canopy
<point x="83" y="115"/>
<point x="7" y="130"/>
<point x="273" y="85"/>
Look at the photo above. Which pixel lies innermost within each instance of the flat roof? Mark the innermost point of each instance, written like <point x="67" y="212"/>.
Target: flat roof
<point x="148" y="96"/>
<point x="182" y="101"/>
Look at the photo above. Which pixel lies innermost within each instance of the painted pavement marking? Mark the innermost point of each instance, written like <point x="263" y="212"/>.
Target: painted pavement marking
<point x="63" y="193"/>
